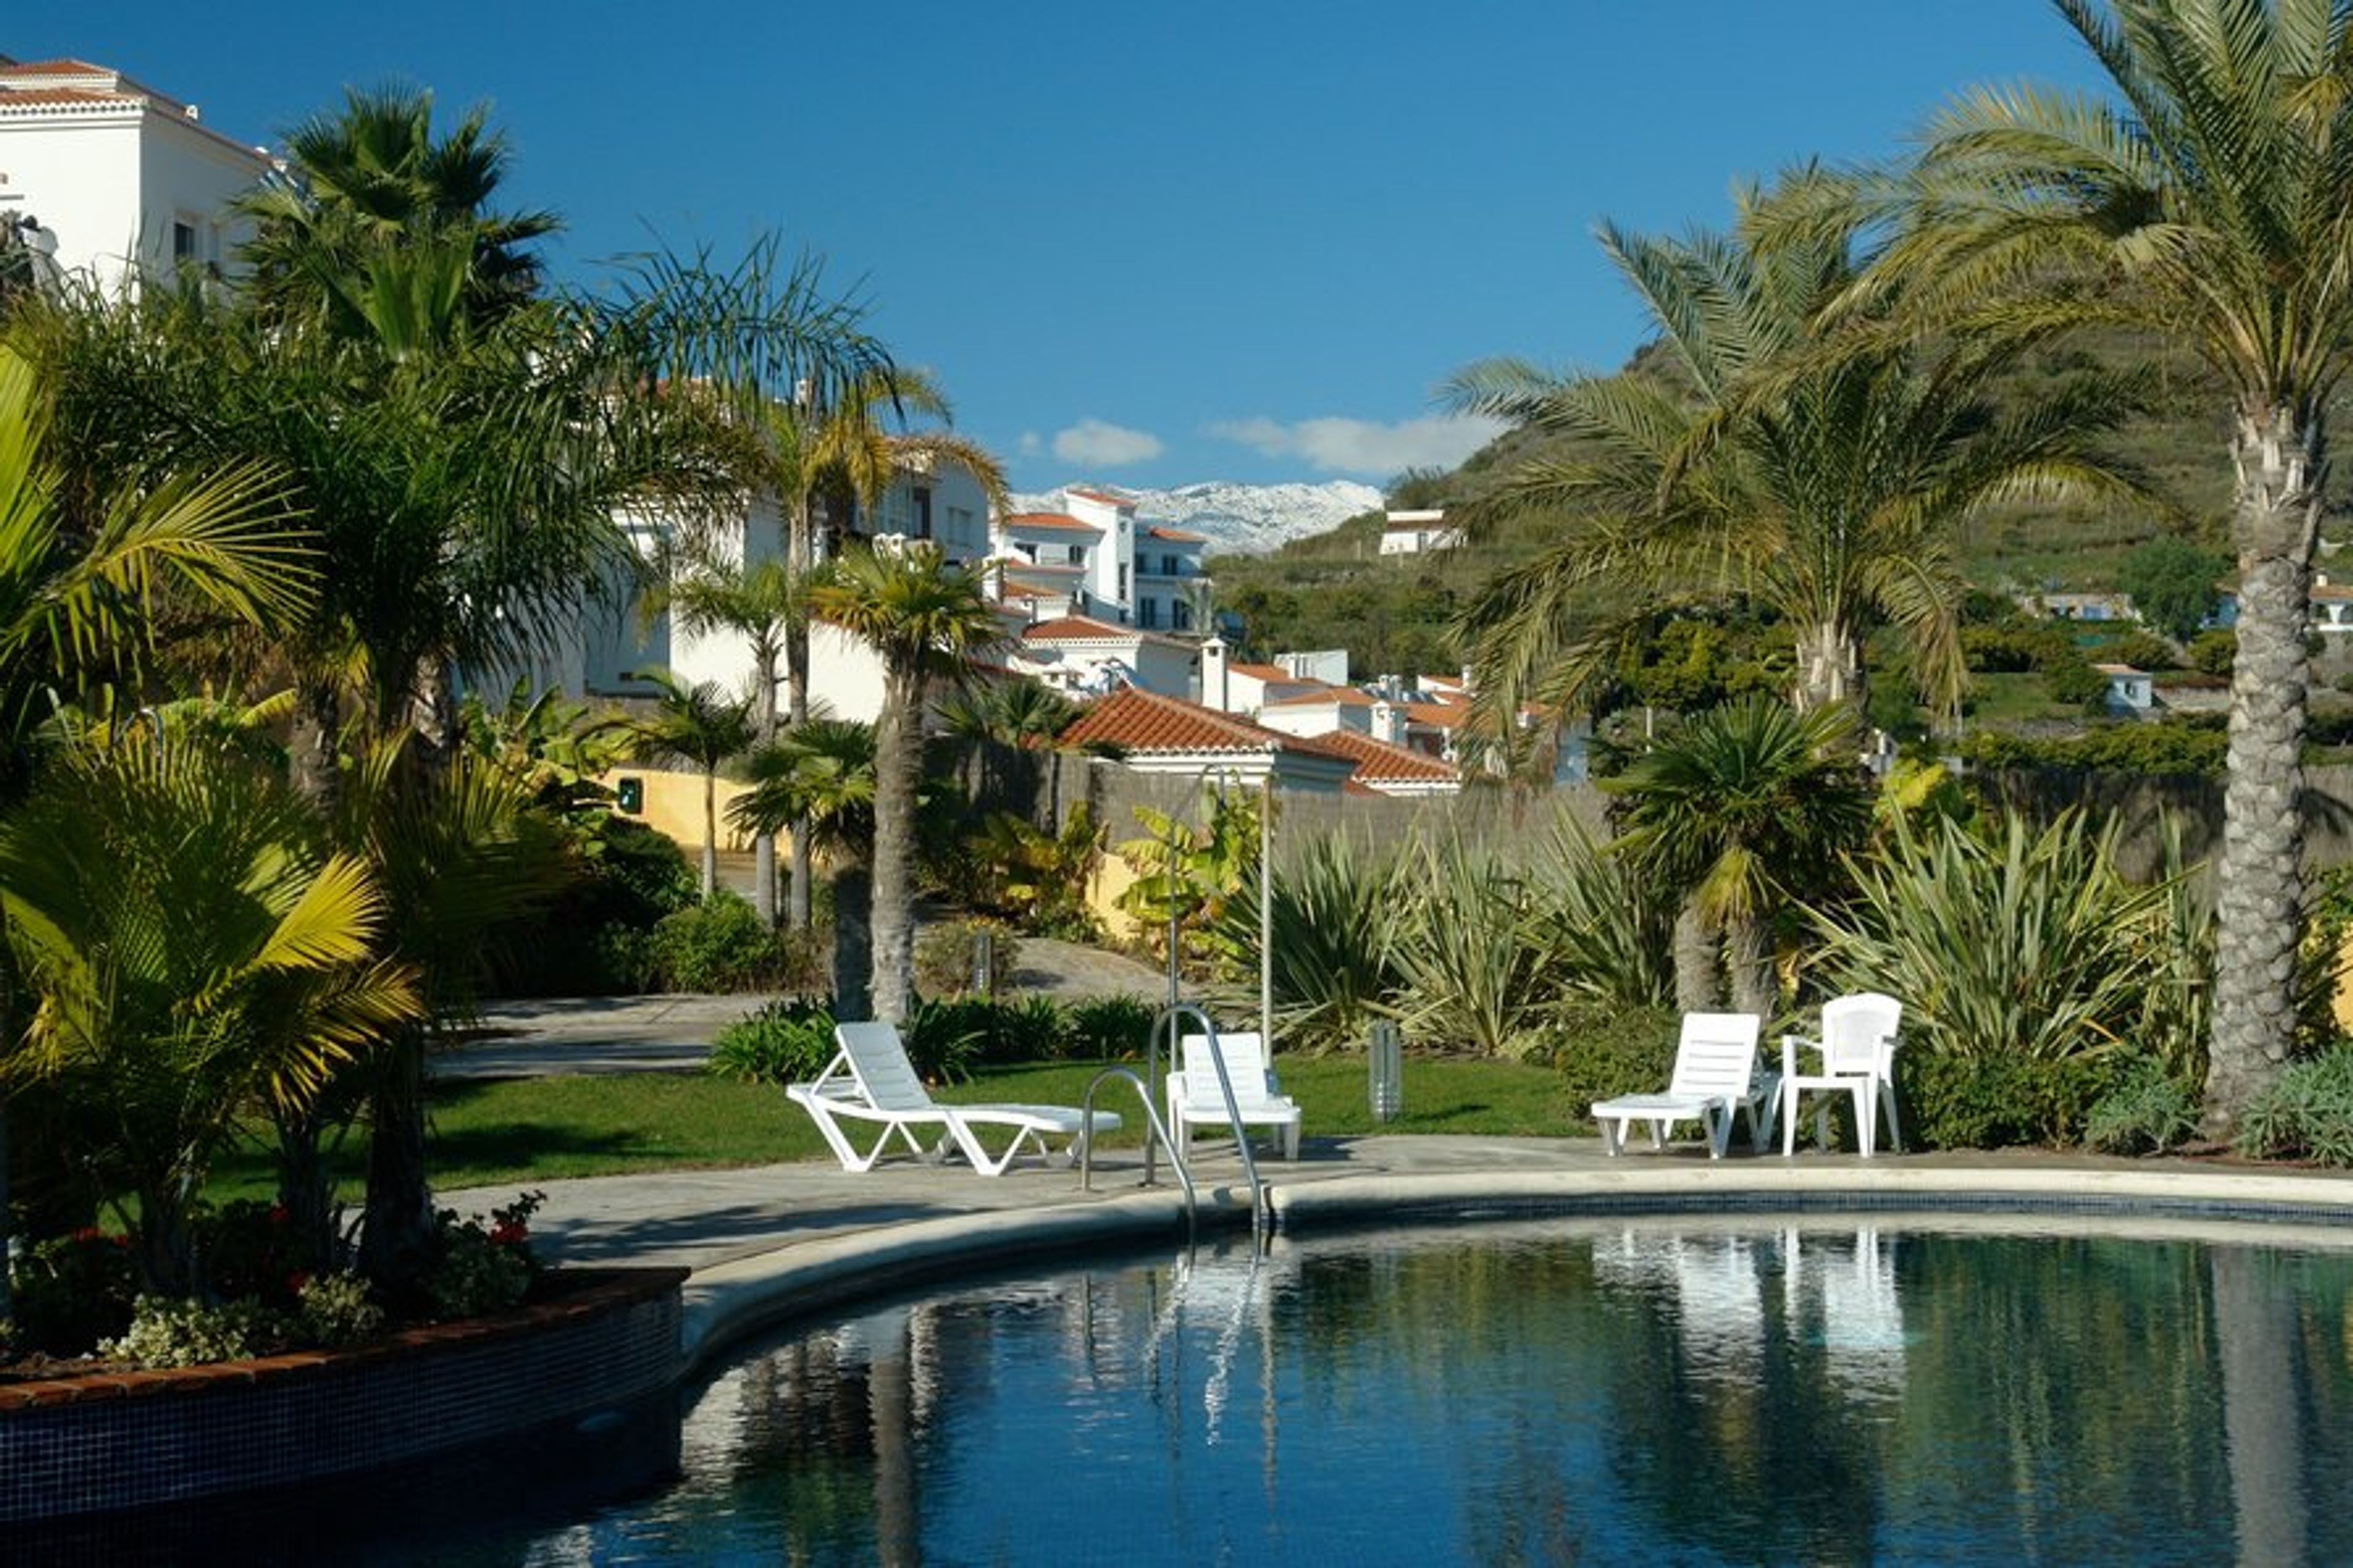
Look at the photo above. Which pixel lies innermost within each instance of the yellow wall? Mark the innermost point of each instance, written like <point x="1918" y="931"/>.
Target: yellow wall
<point x="674" y="806"/>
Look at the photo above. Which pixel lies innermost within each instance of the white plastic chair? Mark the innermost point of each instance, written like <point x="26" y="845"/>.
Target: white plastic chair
<point x="1715" y="1081"/>
<point x="1194" y="1099"/>
<point x="1857" y="1058"/>
<point x="870" y="1081"/>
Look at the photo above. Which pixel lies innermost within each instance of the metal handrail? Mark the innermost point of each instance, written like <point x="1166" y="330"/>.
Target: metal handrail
<point x="1168" y="1015"/>
<point x="1154" y="1128"/>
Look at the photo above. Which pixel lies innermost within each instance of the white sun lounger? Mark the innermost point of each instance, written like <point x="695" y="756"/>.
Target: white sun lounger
<point x="870" y="1085"/>
<point x="1715" y="1081"/>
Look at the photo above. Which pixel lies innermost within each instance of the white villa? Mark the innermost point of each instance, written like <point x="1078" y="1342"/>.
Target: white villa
<point x="110" y="180"/>
<point x="1095" y="558"/>
<point x="1416" y="532"/>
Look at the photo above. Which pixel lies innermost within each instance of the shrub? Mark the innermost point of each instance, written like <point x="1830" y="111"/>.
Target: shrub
<point x="593" y="939"/>
<point x="1109" y="1028"/>
<point x="2147" y="1111"/>
<point x="2139" y="650"/>
<point x="166" y="1332"/>
<point x="947" y="957"/>
<point x="720" y="945"/>
<point x="72" y="1291"/>
<point x="945" y="1040"/>
<point x="2075" y="683"/>
<point x="337" y="1310"/>
<point x="1601" y="1051"/>
<point x="483" y="1267"/>
<point x="788" y="1041"/>
<point x="2213" y="652"/>
<point x="2306" y="1113"/>
<point x="2000" y="1101"/>
<point x="250" y="1249"/>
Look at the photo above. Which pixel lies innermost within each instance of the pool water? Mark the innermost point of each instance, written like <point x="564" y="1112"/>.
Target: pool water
<point x="1821" y="1389"/>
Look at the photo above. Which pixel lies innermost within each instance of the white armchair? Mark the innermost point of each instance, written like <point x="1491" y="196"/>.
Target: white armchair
<point x="1856" y="1057"/>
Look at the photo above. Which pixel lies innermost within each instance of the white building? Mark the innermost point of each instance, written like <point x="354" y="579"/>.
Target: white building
<point x="1415" y="532"/>
<point x="1086" y="657"/>
<point x="122" y="181"/>
<point x="1096" y="559"/>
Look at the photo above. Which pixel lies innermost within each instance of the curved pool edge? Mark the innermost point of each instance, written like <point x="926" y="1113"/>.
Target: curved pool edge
<point x="727" y="1302"/>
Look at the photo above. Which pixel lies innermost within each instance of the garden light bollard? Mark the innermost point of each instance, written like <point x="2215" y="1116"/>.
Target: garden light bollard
<point x="1386" y="1056"/>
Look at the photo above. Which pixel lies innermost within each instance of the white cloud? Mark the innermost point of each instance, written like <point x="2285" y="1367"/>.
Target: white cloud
<point x="1031" y="444"/>
<point x="1093" y="444"/>
<point x="1337" y="445"/>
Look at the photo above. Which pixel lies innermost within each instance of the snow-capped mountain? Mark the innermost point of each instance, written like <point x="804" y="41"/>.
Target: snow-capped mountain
<point x="1234" y="517"/>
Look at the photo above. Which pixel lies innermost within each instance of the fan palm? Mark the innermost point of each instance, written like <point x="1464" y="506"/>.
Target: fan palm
<point x="1744" y="808"/>
<point x="2209" y="198"/>
<point x="821" y="773"/>
<point x="189" y="951"/>
<point x="1820" y="475"/>
<point x="924" y="620"/>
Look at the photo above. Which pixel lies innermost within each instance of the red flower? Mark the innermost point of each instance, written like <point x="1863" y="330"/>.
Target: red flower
<point x="295" y="1281"/>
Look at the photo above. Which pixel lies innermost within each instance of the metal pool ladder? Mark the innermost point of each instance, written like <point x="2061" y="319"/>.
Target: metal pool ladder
<point x="1159" y="1128"/>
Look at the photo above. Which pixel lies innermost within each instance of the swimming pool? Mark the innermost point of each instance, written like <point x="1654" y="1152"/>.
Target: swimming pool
<point x="1776" y="1389"/>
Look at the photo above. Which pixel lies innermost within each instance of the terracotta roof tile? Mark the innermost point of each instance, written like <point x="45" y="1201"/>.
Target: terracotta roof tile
<point x="1175" y="535"/>
<point x="1379" y="760"/>
<point x="1265" y="672"/>
<point x="1345" y="696"/>
<point x="1145" y="721"/>
<point x="1077" y="626"/>
<point x="1444" y="715"/>
<point x="57" y="97"/>
<point x="1106" y="496"/>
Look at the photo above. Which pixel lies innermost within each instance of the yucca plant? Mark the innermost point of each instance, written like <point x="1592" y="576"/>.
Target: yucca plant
<point x="1335" y="915"/>
<point x="1606" y="930"/>
<point x="1473" y="977"/>
<point x="2022" y="946"/>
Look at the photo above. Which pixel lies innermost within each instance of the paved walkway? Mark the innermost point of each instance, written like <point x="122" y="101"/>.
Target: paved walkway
<point x="769" y="1239"/>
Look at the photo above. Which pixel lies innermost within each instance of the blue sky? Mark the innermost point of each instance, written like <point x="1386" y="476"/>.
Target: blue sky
<point x="1140" y="244"/>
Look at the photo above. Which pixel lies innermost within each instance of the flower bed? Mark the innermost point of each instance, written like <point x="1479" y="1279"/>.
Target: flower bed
<point x="597" y="1341"/>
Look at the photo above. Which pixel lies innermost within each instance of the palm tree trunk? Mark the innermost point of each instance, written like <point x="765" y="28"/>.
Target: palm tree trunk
<point x="898" y="777"/>
<point x="853" y="941"/>
<point x="796" y="684"/>
<point x="2260" y="886"/>
<point x="1748" y="956"/>
<point x="763" y="843"/>
<point x="710" y="832"/>
<point x="312" y="745"/>
<point x="1696" y="969"/>
<point x="1830" y="668"/>
<point x="396" y="1234"/>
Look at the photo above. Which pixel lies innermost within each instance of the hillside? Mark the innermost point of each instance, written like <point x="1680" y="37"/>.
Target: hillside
<point x="1394" y="613"/>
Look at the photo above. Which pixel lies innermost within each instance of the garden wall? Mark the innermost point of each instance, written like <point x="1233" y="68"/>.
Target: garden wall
<point x="107" y="1442"/>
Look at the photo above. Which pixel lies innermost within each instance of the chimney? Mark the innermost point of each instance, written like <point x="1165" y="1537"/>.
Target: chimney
<point x="1388" y="724"/>
<point x="1213" y="675"/>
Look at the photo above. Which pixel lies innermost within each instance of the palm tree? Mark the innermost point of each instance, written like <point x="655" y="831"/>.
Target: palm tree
<point x="844" y="456"/>
<point x="1744" y="808"/>
<point x="187" y="946"/>
<point x="924" y="619"/>
<point x="697" y="723"/>
<point x="763" y="600"/>
<point x="1820" y="474"/>
<point x="2210" y="200"/>
<point x="821" y="773"/>
<point x="379" y="230"/>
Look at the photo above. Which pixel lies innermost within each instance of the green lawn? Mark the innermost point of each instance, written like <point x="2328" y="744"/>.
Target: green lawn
<point x="512" y="1133"/>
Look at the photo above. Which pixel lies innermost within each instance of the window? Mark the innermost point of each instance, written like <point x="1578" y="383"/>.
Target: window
<point x="1147" y="613"/>
<point x="1123" y="582"/>
<point x="183" y="240"/>
<point x="1180" y="615"/>
<point x="923" y="529"/>
<point x="1078" y="554"/>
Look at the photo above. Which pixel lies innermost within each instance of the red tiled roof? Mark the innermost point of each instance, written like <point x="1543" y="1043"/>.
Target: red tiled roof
<point x="1176" y="536"/>
<point x="1345" y="696"/>
<point x="1050" y="523"/>
<point x="1379" y="760"/>
<point x="1445" y="715"/>
<point x="1105" y="496"/>
<point x="1077" y="626"/>
<point x="53" y="67"/>
<point x="57" y="97"/>
<point x="1267" y="673"/>
<point x="1145" y="721"/>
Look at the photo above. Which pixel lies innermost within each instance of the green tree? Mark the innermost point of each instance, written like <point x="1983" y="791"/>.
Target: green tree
<point x="699" y="724"/>
<point x="2176" y="587"/>
<point x="2208" y="197"/>
<point x="924" y="620"/>
<point x="1744" y="811"/>
<point x="821" y="773"/>
<point x="190" y="952"/>
<point x="1821" y="475"/>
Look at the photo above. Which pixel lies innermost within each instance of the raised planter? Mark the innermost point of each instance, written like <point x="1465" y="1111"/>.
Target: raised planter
<point x="108" y="1442"/>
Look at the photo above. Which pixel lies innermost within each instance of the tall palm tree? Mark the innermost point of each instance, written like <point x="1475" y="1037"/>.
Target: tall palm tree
<point x="697" y="723"/>
<point x="821" y="773"/>
<point x="1764" y="455"/>
<point x="924" y="619"/>
<point x="381" y="230"/>
<point x="1746" y="806"/>
<point x="2209" y="198"/>
<point x="846" y="456"/>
